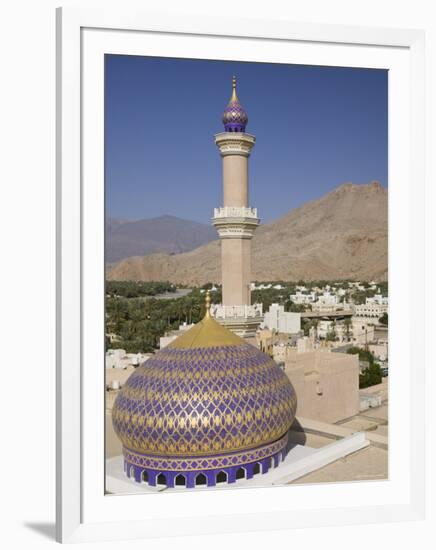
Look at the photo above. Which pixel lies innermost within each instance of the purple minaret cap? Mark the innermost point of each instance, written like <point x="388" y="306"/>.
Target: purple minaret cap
<point x="234" y="117"/>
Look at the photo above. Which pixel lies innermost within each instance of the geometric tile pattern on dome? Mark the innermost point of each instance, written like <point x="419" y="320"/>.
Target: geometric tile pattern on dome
<point x="186" y="464"/>
<point x="234" y="113"/>
<point x="203" y="401"/>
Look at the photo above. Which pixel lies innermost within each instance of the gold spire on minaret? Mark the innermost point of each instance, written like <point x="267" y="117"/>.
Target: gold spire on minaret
<point x="234" y="96"/>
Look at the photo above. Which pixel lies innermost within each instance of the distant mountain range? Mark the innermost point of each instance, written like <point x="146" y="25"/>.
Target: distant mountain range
<point x="342" y="235"/>
<point x="165" y="234"/>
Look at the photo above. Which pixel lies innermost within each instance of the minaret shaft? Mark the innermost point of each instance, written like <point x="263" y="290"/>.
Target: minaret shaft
<point x="236" y="222"/>
<point x="235" y="180"/>
<point x="236" y="271"/>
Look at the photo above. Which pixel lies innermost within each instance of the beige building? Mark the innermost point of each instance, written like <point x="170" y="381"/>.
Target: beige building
<point x="363" y="331"/>
<point x="282" y="352"/>
<point x="265" y="340"/>
<point x="374" y="396"/>
<point x="327" y="384"/>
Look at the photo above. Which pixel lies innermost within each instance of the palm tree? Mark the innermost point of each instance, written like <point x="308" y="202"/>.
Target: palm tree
<point x="347" y="324"/>
<point x="315" y="324"/>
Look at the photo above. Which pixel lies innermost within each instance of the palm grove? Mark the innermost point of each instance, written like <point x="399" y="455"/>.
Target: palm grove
<point x="137" y="315"/>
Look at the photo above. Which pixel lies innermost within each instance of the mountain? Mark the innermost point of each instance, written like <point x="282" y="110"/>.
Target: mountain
<point x="166" y="234"/>
<point x="343" y="235"/>
<point x="113" y="223"/>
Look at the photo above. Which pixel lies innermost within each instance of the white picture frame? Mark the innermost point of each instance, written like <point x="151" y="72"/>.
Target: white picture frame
<point x="84" y="513"/>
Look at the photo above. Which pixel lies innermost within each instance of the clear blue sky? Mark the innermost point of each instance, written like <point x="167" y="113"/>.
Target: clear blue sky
<point x="315" y="128"/>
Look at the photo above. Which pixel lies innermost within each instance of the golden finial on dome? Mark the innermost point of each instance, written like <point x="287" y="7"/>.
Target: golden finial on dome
<point x="207" y="333"/>
<point x="207" y="303"/>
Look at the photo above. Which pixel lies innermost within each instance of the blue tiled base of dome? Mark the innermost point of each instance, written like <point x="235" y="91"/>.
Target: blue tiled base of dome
<point x="234" y="128"/>
<point x="199" y="471"/>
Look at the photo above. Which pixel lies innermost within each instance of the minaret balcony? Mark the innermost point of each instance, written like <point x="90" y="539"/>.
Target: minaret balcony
<point x="236" y="143"/>
<point x="235" y="222"/>
<point x="222" y="312"/>
<point x="235" y="212"/>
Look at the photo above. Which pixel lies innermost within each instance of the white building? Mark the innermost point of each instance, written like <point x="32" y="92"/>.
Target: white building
<point x="119" y="359"/>
<point x="325" y="327"/>
<point x="302" y="298"/>
<point x="262" y="286"/>
<point x="370" y="310"/>
<point x="329" y="302"/>
<point x="378" y="299"/>
<point x="327" y="299"/>
<point x="282" y="321"/>
<point x="212" y="289"/>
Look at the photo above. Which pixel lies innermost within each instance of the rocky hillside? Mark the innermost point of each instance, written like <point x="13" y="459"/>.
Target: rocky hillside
<point x="341" y="235"/>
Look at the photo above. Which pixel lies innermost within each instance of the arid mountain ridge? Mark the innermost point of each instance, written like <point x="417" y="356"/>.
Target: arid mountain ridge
<point x="342" y="235"/>
<point x="167" y="234"/>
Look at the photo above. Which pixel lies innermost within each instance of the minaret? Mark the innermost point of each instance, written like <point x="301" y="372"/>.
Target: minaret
<point x="236" y="223"/>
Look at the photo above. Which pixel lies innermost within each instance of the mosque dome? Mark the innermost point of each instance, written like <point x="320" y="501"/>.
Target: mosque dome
<point x="235" y="118"/>
<point x="204" y="408"/>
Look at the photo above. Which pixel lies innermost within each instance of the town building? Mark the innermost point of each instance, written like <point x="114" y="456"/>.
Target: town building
<point x="373" y="308"/>
<point x="265" y="340"/>
<point x="330" y="302"/>
<point x="119" y="359"/>
<point x="281" y="352"/>
<point x="363" y="331"/>
<point x="327" y="299"/>
<point x="327" y="384"/>
<point x="380" y="349"/>
<point x="302" y="297"/>
<point x="287" y="322"/>
<point x="378" y="299"/>
<point x="374" y="396"/>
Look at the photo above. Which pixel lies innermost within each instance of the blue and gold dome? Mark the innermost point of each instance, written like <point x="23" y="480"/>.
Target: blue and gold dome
<point x="202" y="409"/>
<point x="235" y="118"/>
